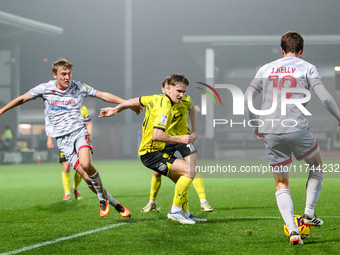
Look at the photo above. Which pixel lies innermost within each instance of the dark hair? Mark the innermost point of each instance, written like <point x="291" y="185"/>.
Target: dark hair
<point x="177" y="78"/>
<point x="166" y="80"/>
<point x="292" y="42"/>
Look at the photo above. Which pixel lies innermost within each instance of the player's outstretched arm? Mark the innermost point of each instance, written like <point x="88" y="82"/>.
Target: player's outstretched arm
<point x="132" y="103"/>
<point x="107" y="112"/>
<point x="110" y="98"/>
<point x="327" y="101"/>
<point x="15" y="102"/>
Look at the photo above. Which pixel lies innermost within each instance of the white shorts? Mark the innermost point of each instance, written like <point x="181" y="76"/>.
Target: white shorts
<point x="72" y="143"/>
<point x="281" y="146"/>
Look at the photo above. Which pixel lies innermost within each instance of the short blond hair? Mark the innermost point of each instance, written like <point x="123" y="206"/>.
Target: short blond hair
<point x="65" y="64"/>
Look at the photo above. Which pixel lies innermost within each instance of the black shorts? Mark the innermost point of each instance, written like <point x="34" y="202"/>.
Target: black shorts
<point x="62" y="157"/>
<point x="183" y="149"/>
<point x="159" y="161"/>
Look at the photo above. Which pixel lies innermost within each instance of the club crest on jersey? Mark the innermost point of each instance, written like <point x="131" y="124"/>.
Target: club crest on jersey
<point x="161" y="167"/>
<point x="164" y="119"/>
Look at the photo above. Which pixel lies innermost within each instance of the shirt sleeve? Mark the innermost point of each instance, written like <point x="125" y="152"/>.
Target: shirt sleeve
<point x="89" y="91"/>
<point x="37" y="91"/>
<point x="256" y="83"/>
<point x="314" y="77"/>
<point x="162" y="115"/>
<point x="327" y="100"/>
<point x="144" y="100"/>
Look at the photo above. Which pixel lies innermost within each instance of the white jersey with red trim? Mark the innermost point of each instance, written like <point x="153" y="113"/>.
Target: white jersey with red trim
<point x="62" y="107"/>
<point x="284" y="72"/>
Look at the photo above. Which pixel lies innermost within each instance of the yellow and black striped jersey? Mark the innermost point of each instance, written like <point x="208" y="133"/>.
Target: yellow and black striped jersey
<point x="158" y="114"/>
<point x="179" y="125"/>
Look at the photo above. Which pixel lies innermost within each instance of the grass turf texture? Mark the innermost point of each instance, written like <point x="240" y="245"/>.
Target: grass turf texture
<point x="245" y="219"/>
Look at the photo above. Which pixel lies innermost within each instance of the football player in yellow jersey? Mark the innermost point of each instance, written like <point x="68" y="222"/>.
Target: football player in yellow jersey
<point x="65" y="174"/>
<point x="156" y="123"/>
<point x="179" y="127"/>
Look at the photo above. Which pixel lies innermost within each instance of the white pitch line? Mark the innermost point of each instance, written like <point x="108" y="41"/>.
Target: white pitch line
<point x="119" y="224"/>
<point x="63" y="239"/>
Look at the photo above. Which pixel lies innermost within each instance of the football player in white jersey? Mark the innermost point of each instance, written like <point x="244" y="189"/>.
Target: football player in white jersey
<point x="63" y="98"/>
<point x="289" y="133"/>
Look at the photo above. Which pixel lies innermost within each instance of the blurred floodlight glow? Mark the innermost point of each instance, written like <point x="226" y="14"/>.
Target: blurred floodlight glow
<point x="337" y="68"/>
<point x="25" y="126"/>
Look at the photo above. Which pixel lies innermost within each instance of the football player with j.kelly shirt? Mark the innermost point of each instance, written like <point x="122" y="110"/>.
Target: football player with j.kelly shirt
<point x="289" y="133"/>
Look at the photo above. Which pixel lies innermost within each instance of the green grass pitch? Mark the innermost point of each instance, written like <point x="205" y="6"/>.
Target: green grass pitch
<point x="35" y="220"/>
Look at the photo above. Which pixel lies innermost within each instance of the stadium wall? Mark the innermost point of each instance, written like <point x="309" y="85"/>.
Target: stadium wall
<point x="21" y="157"/>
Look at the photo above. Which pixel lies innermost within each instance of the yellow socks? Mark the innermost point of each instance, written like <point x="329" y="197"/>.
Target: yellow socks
<point x="66" y="182"/>
<point x="155" y="185"/>
<point x="77" y="180"/>
<point x="199" y="186"/>
<point x="181" y="192"/>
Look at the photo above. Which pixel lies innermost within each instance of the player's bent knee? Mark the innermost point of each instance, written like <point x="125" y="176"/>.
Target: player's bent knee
<point x="86" y="165"/>
<point x="192" y="173"/>
<point x="184" y="172"/>
<point x="156" y="174"/>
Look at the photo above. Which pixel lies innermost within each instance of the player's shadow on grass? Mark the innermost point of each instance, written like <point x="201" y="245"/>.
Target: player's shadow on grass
<point x="132" y="195"/>
<point x="242" y="208"/>
<point x="62" y="206"/>
<point x="229" y="220"/>
<point x="307" y="242"/>
<point x="137" y="220"/>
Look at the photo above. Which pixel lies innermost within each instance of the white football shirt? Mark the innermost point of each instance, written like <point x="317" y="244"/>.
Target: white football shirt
<point x="62" y="107"/>
<point x="284" y="72"/>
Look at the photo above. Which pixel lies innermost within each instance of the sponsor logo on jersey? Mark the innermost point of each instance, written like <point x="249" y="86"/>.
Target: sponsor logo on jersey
<point x="58" y="108"/>
<point x="161" y="167"/>
<point x="63" y="102"/>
